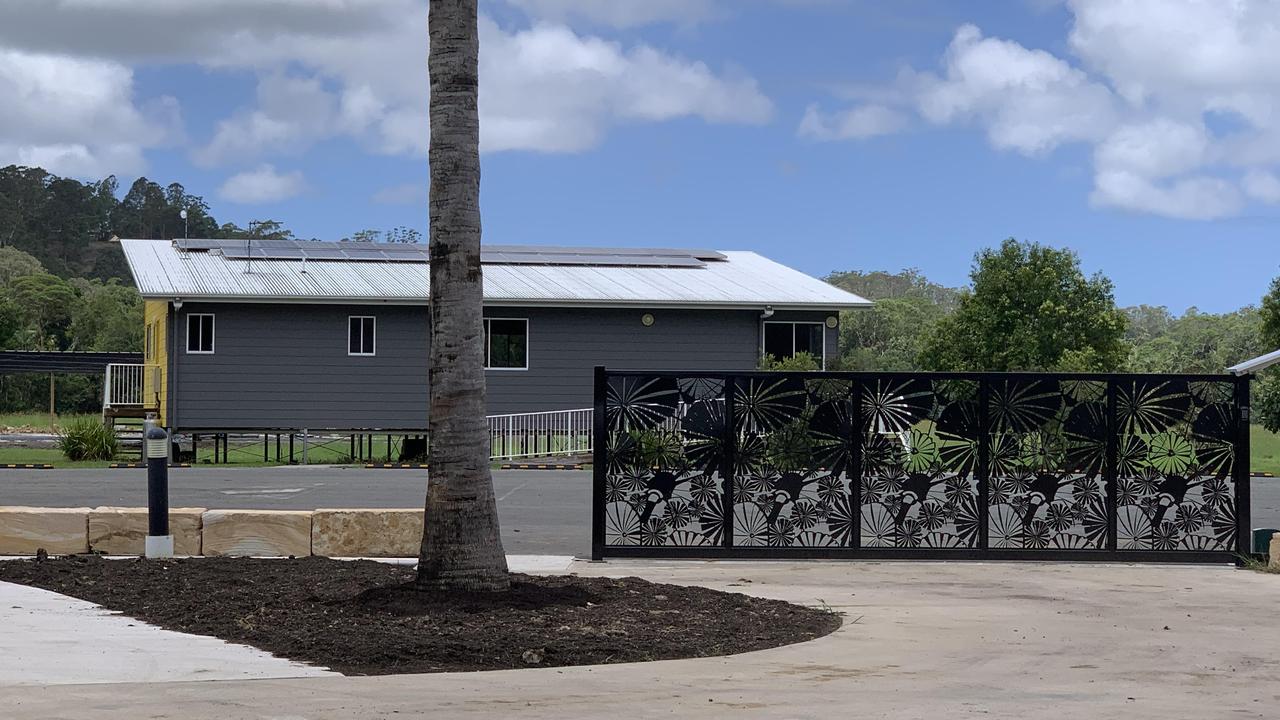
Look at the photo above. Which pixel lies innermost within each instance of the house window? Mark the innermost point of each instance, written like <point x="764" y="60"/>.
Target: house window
<point x="506" y="344"/>
<point x="148" y="351"/>
<point x="200" y="333"/>
<point x="783" y="340"/>
<point x="361" y="330"/>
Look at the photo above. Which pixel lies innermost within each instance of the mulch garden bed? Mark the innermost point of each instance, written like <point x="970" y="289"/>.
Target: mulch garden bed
<point x="363" y="618"/>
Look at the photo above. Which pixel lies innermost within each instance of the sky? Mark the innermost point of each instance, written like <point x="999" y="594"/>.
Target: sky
<point x="829" y="135"/>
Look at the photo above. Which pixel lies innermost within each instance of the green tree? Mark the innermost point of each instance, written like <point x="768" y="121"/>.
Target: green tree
<point x="108" y="318"/>
<point x="1199" y="342"/>
<point x="461" y="542"/>
<point x="890" y="335"/>
<point x="46" y="302"/>
<point x="1271" y="316"/>
<point x="15" y="264"/>
<point x="1266" y="392"/>
<point x="1030" y="308"/>
<point x="257" y="230"/>
<point x="910" y="283"/>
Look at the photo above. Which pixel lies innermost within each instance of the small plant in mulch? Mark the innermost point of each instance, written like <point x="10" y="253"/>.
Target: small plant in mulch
<point x="87" y="438"/>
<point x="365" y="617"/>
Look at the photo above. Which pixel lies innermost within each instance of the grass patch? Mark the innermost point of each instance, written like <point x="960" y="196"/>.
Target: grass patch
<point x="39" y="422"/>
<point x="50" y="456"/>
<point x="1256" y="565"/>
<point x="1264" y="450"/>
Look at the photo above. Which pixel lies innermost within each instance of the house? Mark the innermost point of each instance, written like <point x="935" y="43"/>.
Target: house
<point x="270" y="335"/>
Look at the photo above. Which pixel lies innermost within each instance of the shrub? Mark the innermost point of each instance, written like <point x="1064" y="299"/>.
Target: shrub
<point x="800" y="362"/>
<point x="87" y="438"/>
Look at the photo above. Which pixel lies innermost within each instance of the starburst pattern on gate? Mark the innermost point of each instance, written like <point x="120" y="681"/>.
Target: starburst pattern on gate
<point x="1046" y="457"/>
<point x="1175" y="465"/>
<point x="791" y="469"/>
<point x="665" y="448"/>
<point x="919" y="463"/>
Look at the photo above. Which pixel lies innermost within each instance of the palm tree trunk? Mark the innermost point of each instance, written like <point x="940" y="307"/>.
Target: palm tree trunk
<point x="461" y="544"/>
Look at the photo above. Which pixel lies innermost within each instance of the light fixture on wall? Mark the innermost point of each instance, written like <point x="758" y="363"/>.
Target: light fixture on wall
<point x="647" y="319"/>
<point x="832" y="321"/>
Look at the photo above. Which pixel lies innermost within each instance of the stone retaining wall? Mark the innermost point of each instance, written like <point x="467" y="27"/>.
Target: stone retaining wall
<point x="337" y="532"/>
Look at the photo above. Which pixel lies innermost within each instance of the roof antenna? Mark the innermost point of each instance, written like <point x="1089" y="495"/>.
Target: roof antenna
<point x="248" y="250"/>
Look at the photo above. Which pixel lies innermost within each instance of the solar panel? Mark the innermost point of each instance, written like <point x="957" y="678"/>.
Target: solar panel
<point x="490" y="254"/>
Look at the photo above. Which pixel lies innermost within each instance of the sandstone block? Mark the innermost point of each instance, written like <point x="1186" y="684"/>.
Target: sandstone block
<point x="261" y="533"/>
<point x="366" y="533"/>
<point x="59" y="531"/>
<point x="123" y="530"/>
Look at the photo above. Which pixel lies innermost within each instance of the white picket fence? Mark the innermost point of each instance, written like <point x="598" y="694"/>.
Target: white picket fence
<point x="541" y="434"/>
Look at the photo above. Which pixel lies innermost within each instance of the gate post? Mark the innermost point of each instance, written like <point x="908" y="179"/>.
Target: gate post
<point x="1242" y="471"/>
<point x="599" y="459"/>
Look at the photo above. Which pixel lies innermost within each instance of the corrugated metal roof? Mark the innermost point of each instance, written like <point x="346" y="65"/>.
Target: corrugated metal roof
<point x="744" y="279"/>
<point x="1256" y="365"/>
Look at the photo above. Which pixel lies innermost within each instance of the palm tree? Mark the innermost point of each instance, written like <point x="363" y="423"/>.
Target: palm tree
<point x="461" y="545"/>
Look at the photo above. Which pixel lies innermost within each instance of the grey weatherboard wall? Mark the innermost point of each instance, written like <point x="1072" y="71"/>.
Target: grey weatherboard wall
<point x="286" y="366"/>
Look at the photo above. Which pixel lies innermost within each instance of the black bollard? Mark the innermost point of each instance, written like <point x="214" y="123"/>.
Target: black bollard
<point x="159" y="542"/>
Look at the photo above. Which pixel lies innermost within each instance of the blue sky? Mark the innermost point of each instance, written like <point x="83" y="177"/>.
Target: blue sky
<point x="827" y="134"/>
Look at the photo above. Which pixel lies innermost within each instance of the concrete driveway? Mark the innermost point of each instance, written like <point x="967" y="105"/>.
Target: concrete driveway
<point x="920" y="640"/>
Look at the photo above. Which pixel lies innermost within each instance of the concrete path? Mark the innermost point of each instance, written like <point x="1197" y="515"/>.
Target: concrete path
<point x="920" y="640"/>
<point x="51" y="639"/>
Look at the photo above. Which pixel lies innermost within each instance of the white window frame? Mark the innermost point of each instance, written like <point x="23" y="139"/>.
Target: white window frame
<point x="488" y="348"/>
<point x="213" y="326"/>
<point x="362" y="318"/>
<point x="148" y="354"/>
<point x="793" y="323"/>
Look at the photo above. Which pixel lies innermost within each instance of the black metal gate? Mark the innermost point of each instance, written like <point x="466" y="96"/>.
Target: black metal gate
<point x="921" y="465"/>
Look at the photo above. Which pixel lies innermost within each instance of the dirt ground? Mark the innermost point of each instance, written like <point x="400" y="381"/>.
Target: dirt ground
<point x="361" y="618"/>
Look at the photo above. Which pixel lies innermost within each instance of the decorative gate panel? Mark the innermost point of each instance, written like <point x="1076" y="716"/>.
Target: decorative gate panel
<point x="942" y="465"/>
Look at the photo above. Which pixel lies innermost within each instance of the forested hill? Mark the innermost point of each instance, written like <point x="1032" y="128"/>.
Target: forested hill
<point x="65" y="224"/>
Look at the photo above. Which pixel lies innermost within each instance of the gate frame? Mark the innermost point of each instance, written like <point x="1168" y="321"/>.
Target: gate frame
<point x="1240" y="475"/>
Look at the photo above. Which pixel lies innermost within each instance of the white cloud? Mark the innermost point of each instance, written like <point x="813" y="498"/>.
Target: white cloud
<point x="1156" y="149"/>
<point x="76" y="116"/>
<point x="620" y="13"/>
<point x="1193" y="198"/>
<point x="357" y="68"/>
<point x="291" y="114"/>
<point x="261" y="186"/>
<point x="1028" y="100"/>
<point x="414" y="193"/>
<point x="1263" y="186"/>
<point x="545" y="88"/>
<point x="1175" y="98"/>
<point x="549" y="89"/>
<point x="863" y="121"/>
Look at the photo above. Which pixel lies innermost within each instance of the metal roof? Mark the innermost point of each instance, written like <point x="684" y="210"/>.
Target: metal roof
<point x="489" y="254"/>
<point x="741" y="279"/>
<point x="1258" y="364"/>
